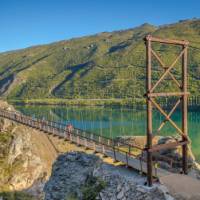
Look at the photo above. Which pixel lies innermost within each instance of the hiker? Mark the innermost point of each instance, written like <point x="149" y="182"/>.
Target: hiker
<point x="69" y="129"/>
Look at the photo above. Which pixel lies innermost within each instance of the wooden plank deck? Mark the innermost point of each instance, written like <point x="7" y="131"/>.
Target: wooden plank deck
<point x="130" y="161"/>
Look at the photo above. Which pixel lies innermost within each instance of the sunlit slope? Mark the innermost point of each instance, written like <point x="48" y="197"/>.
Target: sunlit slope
<point x="106" y="65"/>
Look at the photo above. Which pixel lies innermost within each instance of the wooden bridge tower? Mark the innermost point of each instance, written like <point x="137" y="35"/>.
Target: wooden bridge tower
<point x="151" y="96"/>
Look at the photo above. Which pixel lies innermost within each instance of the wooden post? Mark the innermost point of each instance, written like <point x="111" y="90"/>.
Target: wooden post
<point x="184" y="110"/>
<point x="126" y="159"/>
<point x="129" y="150"/>
<point x="70" y="137"/>
<point x="78" y="138"/>
<point x="114" y="151"/>
<point x="108" y="142"/>
<point x="94" y="147"/>
<point x="85" y="141"/>
<point x="149" y="111"/>
<point x="103" y="151"/>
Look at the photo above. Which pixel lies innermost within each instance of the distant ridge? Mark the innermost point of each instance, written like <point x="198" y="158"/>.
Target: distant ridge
<point x="105" y="65"/>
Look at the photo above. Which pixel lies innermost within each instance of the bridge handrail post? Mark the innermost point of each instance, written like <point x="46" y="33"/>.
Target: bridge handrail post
<point x="115" y="159"/>
<point x="77" y="138"/>
<point x="31" y="122"/>
<point x="99" y="139"/>
<point x="155" y="165"/>
<point x="70" y="137"/>
<point x="108" y="142"/>
<point x="38" y="124"/>
<point x="94" y="144"/>
<point x="126" y="159"/>
<point x="103" y="149"/>
<point x="141" y="167"/>
<point x="85" y="140"/>
<point x="53" y="129"/>
<point x="60" y="129"/>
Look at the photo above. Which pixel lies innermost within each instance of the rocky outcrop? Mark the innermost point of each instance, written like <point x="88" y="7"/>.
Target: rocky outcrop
<point x="26" y="157"/>
<point x="70" y="173"/>
<point x="80" y="176"/>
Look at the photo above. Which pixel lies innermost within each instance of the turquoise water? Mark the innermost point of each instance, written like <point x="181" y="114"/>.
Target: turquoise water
<point x="114" y="122"/>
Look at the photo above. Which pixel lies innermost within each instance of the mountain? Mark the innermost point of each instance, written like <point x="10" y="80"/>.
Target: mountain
<point x="102" y="66"/>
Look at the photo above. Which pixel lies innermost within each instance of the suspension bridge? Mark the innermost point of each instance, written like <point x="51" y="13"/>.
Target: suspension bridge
<point x="118" y="150"/>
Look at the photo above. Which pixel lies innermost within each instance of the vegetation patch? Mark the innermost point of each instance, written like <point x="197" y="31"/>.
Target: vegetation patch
<point x="16" y="196"/>
<point x="92" y="188"/>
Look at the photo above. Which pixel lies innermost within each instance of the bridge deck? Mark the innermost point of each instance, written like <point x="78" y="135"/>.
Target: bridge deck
<point x="101" y="144"/>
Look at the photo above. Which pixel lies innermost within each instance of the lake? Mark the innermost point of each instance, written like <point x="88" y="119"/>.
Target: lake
<point x="114" y="122"/>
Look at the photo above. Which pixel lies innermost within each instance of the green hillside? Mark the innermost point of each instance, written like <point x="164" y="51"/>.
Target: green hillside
<point x="102" y="66"/>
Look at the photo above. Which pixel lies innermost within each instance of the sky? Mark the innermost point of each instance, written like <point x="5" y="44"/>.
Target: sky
<point x="26" y="23"/>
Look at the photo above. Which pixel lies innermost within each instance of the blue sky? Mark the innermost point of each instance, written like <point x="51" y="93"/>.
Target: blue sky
<point x="25" y="23"/>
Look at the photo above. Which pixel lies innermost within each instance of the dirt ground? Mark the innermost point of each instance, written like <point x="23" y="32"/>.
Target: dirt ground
<point x="182" y="186"/>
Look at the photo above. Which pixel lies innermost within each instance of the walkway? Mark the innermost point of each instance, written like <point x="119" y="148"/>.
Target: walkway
<point x="182" y="185"/>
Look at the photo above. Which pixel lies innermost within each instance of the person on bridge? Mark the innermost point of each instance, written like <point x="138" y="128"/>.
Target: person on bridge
<point x="69" y="129"/>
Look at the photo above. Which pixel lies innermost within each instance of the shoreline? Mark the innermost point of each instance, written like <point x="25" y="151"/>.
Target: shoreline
<point x="127" y="103"/>
<point x="80" y="102"/>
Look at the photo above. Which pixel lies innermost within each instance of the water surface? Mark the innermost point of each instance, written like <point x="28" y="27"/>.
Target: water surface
<point x="114" y="122"/>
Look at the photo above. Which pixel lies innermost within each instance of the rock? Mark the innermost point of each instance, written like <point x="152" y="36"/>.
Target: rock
<point x="70" y="179"/>
<point x="25" y="155"/>
<point x="66" y="48"/>
<point x="77" y="175"/>
<point x="120" y="195"/>
<point x="118" y="188"/>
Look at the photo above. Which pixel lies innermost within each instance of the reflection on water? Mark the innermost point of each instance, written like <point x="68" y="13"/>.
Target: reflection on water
<point x="113" y="122"/>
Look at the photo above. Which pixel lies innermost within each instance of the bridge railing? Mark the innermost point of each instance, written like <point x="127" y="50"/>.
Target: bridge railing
<point x="85" y="138"/>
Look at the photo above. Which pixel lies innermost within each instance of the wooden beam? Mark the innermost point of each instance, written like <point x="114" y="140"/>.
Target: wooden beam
<point x="166" y="41"/>
<point x="167" y="94"/>
<point x="170" y="145"/>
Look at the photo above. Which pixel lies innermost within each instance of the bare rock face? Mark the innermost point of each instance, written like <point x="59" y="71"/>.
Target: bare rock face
<point x="21" y="165"/>
<point x="80" y="176"/>
<point x="26" y="157"/>
<point x="30" y="166"/>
